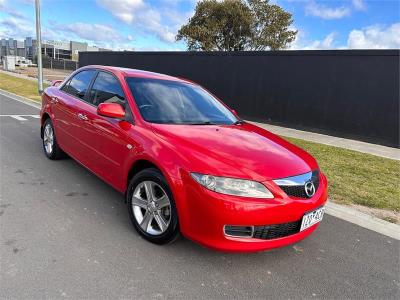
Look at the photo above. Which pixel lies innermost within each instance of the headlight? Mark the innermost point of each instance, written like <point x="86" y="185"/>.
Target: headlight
<point x="232" y="186"/>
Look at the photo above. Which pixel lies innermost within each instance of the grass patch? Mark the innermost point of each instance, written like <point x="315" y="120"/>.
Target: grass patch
<point x="357" y="178"/>
<point x="390" y="219"/>
<point x="20" y="86"/>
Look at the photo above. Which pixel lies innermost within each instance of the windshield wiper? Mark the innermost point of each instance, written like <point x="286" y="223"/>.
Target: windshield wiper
<point x="203" y="123"/>
<point x="239" y="122"/>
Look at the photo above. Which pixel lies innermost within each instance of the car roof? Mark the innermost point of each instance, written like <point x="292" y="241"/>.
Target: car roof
<point x="126" y="72"/>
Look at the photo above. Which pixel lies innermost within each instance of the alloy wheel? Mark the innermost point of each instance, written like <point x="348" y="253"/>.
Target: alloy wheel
<point x="48" y="138"/>
<point x="151" y="207"/>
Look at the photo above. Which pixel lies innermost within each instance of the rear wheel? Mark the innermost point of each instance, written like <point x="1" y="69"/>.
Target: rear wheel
<point x="152" y="207"/>
<point x="50" y="146"/>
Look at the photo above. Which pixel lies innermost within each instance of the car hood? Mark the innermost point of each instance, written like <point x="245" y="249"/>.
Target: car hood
<point x="238" y="151"/>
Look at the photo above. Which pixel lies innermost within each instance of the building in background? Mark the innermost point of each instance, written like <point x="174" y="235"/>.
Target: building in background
<point x="11" y="47"/>
<point x="30" y="48"/>
<point x="59" y="50"/>
<point x="56" y="49"/>
<point x="77" y="47"/>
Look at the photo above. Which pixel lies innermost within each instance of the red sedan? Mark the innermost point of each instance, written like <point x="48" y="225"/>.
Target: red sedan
<point x="185" y="161"/>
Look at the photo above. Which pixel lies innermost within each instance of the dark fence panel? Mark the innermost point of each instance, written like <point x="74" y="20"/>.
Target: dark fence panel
<point x="349" y="93"/>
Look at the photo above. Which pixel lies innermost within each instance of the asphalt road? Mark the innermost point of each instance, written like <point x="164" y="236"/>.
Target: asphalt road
<point x="65" y="233"/>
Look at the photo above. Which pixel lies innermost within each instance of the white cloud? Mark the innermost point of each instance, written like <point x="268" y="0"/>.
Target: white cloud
<point x="16" y="28"/>
<point x="326" y="43"/>
<point x="371" y="37"/>
<point x="375" y="37"/>
<point x="328" y="13"/>
<point x="301" y="42"/>
<point x="100" y="35"/>
<point x="124" y="10"/>
<point x="19" y="26"/>
<point x="163" y="21"/>
<point x="152" y="21"/>
<point x="92" y="32"/>
<point x="359" y="5"/>
<point x="11" y="10"/>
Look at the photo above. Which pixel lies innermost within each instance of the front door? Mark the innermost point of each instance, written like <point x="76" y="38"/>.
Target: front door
<point x="109" y="140"/>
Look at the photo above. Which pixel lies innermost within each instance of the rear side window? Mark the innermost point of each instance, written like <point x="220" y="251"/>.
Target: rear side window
<point x="106" y="88"/>
<point x="79" y="84"/>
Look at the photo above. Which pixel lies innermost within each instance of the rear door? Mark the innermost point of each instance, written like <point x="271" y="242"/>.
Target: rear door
<point x="66" y="105"/>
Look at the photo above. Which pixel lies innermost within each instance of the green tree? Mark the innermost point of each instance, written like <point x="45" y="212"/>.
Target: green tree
<point x="235" y="25"/>
<point x="270" y="26"/>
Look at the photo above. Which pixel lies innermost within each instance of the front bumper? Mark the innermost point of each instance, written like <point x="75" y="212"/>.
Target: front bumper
<point x="203" y="215"/>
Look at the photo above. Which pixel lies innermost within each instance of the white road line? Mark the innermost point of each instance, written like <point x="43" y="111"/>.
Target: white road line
<point x="19" y="118"/>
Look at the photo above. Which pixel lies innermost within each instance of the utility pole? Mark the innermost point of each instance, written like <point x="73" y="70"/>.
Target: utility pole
<point x="39" y="46"/>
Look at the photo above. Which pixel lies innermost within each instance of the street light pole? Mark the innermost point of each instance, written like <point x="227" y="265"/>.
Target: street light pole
<point x="39" y="47"/>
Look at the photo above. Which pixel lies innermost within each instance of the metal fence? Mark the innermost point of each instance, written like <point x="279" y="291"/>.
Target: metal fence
<point x="61" y="64"/>
<point x="348" y="93"/>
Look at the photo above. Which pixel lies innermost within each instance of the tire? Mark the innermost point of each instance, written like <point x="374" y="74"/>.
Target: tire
<point x="155" y="218"/>
<point x="50" y="146"/>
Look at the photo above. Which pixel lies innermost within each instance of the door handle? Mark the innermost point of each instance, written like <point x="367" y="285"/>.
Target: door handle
<point x="54" y="99"/>
<point x="82" y="117"/>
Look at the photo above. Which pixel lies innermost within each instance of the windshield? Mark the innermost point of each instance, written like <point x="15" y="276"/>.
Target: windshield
<point x="171" y="102"/>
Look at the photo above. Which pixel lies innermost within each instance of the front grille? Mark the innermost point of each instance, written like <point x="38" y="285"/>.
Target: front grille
<point x="264" y="232"/>
<point x="298" y="191"/>
<point x="269" y="232"/>
<point x="295" y="191"/>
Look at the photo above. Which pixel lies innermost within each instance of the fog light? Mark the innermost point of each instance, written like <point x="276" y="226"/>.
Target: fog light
<point x="239" y="231"/>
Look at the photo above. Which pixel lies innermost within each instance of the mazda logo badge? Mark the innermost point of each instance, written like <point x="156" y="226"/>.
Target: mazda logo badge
<point x="309" y="188"/>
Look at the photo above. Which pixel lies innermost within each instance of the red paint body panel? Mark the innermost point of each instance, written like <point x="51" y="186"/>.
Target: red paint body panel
<point x="206" y="213"/>
<point x="240" y="151"/>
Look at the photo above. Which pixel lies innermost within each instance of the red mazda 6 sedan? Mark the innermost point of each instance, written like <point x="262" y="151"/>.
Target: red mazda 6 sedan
<point x="186" y="162"/>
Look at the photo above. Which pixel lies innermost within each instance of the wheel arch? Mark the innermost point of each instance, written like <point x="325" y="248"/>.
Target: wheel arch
<point x="139" y="165"/>
<point x="45" y="116"/>
<point x="145" y="163"/>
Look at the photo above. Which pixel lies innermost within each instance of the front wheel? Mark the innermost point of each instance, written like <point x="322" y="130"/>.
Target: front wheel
<point x="152" y="208"/>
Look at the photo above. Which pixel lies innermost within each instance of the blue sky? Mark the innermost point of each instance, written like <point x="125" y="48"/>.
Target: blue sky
<point x="153" y="24"/>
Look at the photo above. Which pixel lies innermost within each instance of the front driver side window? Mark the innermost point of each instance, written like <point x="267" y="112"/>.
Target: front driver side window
<point x="107" y="89"/>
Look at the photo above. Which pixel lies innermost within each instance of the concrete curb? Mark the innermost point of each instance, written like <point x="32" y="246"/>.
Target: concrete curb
<point x="339" y="211"/>
<point x="364" y="220"/>
<point x="21" y="99"/>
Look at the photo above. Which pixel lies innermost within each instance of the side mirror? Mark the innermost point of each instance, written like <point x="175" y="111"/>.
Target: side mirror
<point x="111" y="110"/>
<point x="56" y="82"/>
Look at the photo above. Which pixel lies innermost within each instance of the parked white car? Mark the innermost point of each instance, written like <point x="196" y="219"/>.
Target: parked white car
<point x="22" y="63"/>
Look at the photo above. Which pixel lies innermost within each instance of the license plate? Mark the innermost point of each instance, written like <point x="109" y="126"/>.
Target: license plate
<point x="312" y="218"/>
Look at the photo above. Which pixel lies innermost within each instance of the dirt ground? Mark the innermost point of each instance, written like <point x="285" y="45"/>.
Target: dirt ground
<point x="48" y="74"/>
